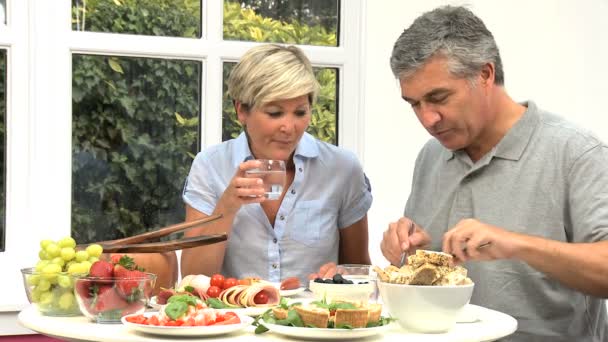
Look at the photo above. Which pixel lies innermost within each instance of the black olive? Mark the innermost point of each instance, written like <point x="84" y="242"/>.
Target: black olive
<point x="328" y="281"/>
<point x="338" y="278"/>
<point x="318" y="280"/>
<point x="346" y="281"/>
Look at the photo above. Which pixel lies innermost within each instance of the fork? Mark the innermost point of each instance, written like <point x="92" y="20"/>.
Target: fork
<point x="406" y="253"/>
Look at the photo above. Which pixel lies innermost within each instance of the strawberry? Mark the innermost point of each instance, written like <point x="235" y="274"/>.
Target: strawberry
<point x="115" y="258"/>
<point x="83" y="288"/>
<point x="107" y="299"/>
<point x="102" y="269"/>
<point x="128" y="278"/>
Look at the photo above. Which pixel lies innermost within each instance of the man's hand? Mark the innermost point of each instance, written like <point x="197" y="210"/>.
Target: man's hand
<point x="397" y="240"/>
<point x="474" y="240"/>
<point x="326" y="271"/>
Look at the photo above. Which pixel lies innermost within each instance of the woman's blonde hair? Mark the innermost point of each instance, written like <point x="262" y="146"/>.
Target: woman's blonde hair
<point x="271" y="72"/>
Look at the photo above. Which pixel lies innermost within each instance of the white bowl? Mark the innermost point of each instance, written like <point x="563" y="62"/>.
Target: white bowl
<point x="343" y="292"/>
<point x="426" y="309"/>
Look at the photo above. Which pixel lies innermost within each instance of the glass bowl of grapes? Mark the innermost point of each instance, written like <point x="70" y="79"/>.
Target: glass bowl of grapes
<point x="49" y="285"/>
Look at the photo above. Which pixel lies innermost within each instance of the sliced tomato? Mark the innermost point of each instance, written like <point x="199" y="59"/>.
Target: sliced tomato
<point x="229" y="320"/>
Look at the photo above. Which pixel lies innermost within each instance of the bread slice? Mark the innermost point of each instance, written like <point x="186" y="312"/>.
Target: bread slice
<point x="356" y="318"/>
<point x="426" y="274"/>
<point x="374" y="312"/>
<point x="312" y="316"/>
<point x="279" y="313"/>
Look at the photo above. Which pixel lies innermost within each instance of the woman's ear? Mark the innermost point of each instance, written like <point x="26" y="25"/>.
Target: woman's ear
<point x="242" y="111"/>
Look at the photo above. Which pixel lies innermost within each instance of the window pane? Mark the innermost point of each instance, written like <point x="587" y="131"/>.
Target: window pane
<point x="173" y="18"/>
<point x="135" y="132"/>
<point x="324" y="114"/>
<point x="2" y="148"/>
<point x="307" y="22"/>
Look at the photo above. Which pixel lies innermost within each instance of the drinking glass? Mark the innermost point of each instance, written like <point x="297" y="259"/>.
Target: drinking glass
<point x="272" y="172"/>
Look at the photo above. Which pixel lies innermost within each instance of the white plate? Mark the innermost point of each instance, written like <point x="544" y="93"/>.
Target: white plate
<point x="288" y="293"/>
<point x="188" y="331"/>
<point x="153" y="303"/>
<point x="250" y="311"/>
<point x="325" y="333"/>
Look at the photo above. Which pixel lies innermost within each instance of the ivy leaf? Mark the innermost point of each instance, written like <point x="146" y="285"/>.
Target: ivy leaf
<point x="180" y="119"/>
<point x="115" y="65"/>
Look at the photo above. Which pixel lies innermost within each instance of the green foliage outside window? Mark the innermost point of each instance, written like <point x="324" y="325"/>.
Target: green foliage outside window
<point x="246" y="25"/>
<point x="136" y="120"/>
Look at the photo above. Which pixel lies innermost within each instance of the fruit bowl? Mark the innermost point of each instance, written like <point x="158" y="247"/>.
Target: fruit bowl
<point x="107" y="299"/>
<point x="51" y="292"/>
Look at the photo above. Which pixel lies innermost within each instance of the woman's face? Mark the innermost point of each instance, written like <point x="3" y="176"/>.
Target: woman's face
<point x="275" y="128"/>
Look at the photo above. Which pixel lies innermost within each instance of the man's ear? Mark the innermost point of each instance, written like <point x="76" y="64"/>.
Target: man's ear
<point x="487" y="74"/>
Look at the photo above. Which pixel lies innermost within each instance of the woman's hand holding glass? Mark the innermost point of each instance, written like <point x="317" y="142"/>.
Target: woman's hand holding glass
<point x="242" y="189"/>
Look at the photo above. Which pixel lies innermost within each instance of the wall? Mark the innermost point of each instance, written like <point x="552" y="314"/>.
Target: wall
<point x="553" y="52"/>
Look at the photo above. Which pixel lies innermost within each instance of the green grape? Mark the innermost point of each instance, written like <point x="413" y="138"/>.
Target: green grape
<point x="58" y="260"/>
<point x="67" y="253"/>
<point x="76" y="268"/>
<point x="35" y="296"/>
<point x="43" y="255"/>
<point x="45" y="243"/>
<point x="33" y="279"/>
<point x="53" y="250"/>
<point x="67" y="242"/>
<point x="43" y="285"/>
<point x="93" y="260"/>
<point x="46" y="298"/>
<point x="64" y="281"/>
<point x="50" y="271"/>
<point x="66" y="300"/>
<point x="94" y="250"/>
<point x="41" y="264"/>
<point x="82" y="256"/>
<point x="86" y="266"/>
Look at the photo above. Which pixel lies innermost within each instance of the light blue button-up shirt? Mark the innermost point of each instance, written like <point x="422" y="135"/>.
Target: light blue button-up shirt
<point x="329" y="192"/>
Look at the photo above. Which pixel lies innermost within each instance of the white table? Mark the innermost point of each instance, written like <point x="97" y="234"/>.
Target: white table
<point x="491" y="325"/>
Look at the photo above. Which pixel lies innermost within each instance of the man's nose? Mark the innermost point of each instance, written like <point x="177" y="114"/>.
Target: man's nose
<point x="428" y="115"/>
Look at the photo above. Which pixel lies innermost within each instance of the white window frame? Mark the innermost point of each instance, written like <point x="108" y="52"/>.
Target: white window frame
<point x="39" y="108"/>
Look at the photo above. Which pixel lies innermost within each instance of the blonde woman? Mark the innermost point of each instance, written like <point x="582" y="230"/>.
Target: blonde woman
<point x="320" y="218"/>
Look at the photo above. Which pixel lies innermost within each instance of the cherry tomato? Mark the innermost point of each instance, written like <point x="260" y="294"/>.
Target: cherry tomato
<point x="217" y="280"/>
<point x="213" y="291"/>
<point x="230" y="282"/>
<point x="245" y="281"/>
<point x="261" y="298"/>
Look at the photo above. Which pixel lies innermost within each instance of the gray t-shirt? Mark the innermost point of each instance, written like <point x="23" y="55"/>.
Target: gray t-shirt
<point x="546" y="178"/>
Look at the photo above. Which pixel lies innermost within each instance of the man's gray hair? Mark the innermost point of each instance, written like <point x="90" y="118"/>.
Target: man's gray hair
<point x="452" y="32"/>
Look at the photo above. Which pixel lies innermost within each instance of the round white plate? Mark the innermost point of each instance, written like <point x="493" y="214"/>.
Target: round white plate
<point x="326" y="333"/>
<point x="153" y="303"/>
<point x="288" y="293"/>
<point x="252" y="311"/>
<point x="188" y="331"/>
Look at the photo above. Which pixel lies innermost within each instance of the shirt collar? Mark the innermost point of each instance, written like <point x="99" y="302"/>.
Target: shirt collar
<point x="307" y="148"/>
<point x="513" y="144"/>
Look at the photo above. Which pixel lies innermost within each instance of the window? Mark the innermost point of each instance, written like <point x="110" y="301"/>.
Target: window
<point x="135" y="124"/>
<point x="106" y="117"/>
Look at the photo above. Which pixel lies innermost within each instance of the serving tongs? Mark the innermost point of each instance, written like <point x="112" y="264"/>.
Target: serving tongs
<point x="137" y="244"/>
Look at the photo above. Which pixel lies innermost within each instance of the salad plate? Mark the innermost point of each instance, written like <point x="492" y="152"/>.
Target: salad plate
<point x="324" y="333"/>
<point x="199" y="331"/>
<point x="251" y="311"/>
<point x="153" y="303"/>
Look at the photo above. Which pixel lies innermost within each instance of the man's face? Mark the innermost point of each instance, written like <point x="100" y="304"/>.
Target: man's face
<point x="449" y="108"/>
<point x="275" y="128"/>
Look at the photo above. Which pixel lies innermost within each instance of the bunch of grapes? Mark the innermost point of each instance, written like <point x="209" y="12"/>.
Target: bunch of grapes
<point x="51" y="282"/>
